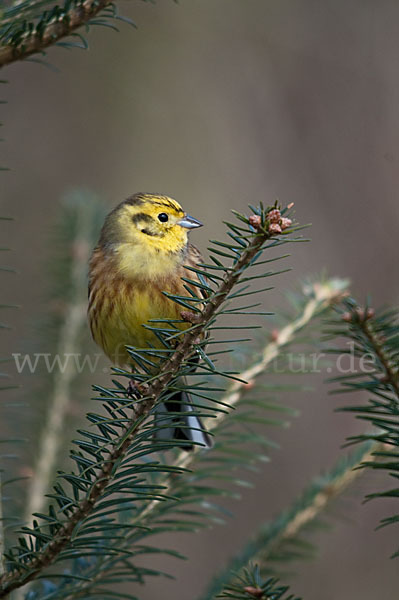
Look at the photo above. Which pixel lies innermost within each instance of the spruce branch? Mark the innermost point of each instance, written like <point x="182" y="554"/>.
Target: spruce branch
<point x="374" y="336"/>
<point x="98" y="477"/>
<point x="391" y="369"/>
<point x="250" y="585"/>
<point x="319" y="296"/>
<point x="198" y="466"/>
<point x="271" y="537"/>
<point x="53" y="25"/>
<point x="74" y="318"/>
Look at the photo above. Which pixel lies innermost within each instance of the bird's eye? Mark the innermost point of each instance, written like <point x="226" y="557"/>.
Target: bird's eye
<point x="163" y="217"/>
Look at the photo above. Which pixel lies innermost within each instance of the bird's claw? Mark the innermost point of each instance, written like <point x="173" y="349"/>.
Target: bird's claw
<point x="190" y="317"/>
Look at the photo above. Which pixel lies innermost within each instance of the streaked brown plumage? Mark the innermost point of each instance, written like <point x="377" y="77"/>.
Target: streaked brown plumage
<point x="142" y="252"/>
<point x="124" y="304"/>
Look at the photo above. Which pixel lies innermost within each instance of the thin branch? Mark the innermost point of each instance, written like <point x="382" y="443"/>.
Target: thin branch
<point x="329" y="492"/>
<point x="331" y="489"/>
<point x="374" y="334"/>
<point x="289" y="523"/>
<point x="168" y="370"/>
<point x="322" y="296"/>
<point x="61" y="27"/>
<point x="391" y="373"/>
<point x="75" y="317"/>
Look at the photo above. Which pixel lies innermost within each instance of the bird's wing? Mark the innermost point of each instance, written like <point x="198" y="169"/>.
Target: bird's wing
<point x="193" y="259"/>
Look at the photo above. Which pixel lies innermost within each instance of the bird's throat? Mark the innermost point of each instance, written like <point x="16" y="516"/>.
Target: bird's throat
<point x="147" y="262"/>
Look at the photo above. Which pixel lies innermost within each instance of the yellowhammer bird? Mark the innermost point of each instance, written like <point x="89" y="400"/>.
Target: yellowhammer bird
<point x="141" y="253"/>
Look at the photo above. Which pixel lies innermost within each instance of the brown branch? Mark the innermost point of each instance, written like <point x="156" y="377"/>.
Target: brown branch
<point x="391" y="374"/>
<point x="61" y="27"/>
<point x="291" y="522"/>
<point x="328" y="493"/>
<point x="151" y="393"/>
<point x="321" y="296"/>
<point x="74" y="316"/>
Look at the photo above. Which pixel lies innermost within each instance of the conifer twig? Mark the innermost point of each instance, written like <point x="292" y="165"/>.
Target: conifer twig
<point x="391" y="371"/>
<point x="288" y="524"/>
<point x="74" y="318"/>
<point x="62" y="26"/>
<point x="149" y="394"/>
<point x="317" y="298"/>
<point x="374" y="335"/>
<point x="321" y="296"/>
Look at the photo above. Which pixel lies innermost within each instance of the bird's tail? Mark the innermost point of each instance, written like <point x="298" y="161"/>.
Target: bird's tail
<point x="181" y="425"/>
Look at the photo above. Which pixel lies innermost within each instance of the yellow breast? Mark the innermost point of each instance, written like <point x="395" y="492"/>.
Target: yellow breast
<point x="121" y="300"/>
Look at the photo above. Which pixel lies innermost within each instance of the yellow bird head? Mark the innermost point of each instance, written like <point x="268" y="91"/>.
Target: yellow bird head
<point x="149" y="220"/>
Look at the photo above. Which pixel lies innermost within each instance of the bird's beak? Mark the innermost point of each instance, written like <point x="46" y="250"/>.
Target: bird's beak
<point x="189" y="222"/>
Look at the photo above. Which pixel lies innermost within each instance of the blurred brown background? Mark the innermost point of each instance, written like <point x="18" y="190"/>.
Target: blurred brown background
<point x="219" y="104"/>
